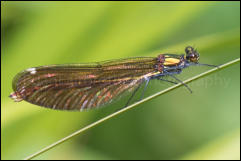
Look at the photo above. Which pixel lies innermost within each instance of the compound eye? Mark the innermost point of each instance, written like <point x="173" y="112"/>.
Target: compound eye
<point x="189" y="50"/>
<point x="194" y="57"/>
<point x="191" y="54"/>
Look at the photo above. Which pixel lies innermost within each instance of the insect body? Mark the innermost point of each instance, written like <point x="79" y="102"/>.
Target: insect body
<point x="92" y="85"/>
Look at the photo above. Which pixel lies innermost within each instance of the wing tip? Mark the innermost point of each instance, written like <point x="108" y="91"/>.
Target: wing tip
<point x="16" y="96"/>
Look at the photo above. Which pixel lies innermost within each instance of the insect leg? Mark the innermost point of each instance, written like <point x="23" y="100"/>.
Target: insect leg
<point x="132" y="95"/>
<point x="167" y="80"/>
<point x="147" y="81"/>
<point x="181" y="82"/>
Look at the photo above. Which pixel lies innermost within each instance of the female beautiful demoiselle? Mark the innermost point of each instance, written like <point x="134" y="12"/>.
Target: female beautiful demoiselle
<point x="87" y="86"/>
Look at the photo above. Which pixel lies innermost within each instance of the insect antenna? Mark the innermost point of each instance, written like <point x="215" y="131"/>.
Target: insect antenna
<point x="210" y="65"/>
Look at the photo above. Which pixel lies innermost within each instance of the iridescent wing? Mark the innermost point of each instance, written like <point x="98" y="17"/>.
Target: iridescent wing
<point x="80" y="86"/>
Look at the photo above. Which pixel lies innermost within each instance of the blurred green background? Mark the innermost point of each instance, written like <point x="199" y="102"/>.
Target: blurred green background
<point x="176" y="125"/>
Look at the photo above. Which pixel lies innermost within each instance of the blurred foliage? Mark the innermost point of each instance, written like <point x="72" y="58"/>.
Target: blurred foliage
<point x="177" y="125"/>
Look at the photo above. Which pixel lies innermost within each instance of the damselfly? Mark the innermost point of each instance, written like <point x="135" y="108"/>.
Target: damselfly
<point x="92" y="85"/>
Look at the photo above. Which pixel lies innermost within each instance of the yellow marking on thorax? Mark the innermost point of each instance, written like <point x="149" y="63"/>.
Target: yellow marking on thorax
<point x="171" y="61"/>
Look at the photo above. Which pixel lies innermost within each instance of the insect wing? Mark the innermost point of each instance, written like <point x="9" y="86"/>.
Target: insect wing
<point x="80" y="86"/>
